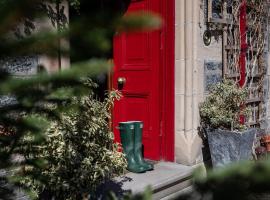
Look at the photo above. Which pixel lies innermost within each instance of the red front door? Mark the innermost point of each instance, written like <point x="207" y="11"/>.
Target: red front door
<point x="137" y="63"/>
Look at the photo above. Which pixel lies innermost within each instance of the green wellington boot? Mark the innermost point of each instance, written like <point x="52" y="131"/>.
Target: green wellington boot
<point x="138" y="125"/>
<point x="127" y="140"/>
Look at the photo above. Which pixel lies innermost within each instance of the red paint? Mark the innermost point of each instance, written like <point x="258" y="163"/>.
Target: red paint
<point x="242" y="119"/>
<point x="243" y="47"/>
<point x="140" y="58"/>
<point x="243" y="38"/>
<point x="168" y="80"/>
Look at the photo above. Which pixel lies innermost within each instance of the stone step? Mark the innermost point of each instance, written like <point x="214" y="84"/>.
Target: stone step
<point x="176" y="195"/>
<point x="167" y="180"/>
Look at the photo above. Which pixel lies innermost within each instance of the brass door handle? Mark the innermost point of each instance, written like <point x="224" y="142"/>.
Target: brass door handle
<point x="121" y="81"/>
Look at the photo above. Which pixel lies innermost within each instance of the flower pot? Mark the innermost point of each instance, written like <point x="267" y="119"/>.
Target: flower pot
<point x="261" y="153"/>
<point x="265" y="141"/>
<point x="228" y="146"/>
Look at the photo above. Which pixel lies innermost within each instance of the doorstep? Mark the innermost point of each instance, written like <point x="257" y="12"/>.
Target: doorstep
<point x="166" y="181"/>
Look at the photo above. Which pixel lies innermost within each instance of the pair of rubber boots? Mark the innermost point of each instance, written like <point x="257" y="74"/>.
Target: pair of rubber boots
<point x="131" y="139"/>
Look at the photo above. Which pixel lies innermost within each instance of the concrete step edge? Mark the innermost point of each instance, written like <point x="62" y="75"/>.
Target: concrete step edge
<point x="171" y="189"/>
<point x="172" y="181"/>
<point x="179" y="193"/>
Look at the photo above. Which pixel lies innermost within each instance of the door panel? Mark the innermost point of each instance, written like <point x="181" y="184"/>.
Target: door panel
<point x="136" y="58"/>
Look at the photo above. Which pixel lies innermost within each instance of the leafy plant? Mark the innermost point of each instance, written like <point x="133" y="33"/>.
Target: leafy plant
<point x="79" y="148"/>
<point x="224" y="106"/>
<point x="245" y="181"/>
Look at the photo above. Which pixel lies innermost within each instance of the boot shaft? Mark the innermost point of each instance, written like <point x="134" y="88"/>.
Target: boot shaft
<point x="127" y="136"/>
<point x="138" y="133"/>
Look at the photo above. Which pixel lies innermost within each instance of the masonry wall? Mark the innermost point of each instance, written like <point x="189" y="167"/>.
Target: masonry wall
<point x="265" y="123"/>
<point x="196" y="65"/>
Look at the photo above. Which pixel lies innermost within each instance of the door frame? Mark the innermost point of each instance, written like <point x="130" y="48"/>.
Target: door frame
<point x="167" y="95"/>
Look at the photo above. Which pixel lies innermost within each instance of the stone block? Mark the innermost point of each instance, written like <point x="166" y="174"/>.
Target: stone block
<point x="188" y="148"/>
<point x="212" y="74"/>
<point x="7" y="100"/>
<point x="20" y="65"/>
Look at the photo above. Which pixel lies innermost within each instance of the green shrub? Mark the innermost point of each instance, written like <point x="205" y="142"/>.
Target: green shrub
<point x="224" y="106"/>
<point x="79" y="149"/>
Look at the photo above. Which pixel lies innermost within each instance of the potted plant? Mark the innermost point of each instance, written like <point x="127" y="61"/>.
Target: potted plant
<point x="265" y="141"/>
<point x="222" y="116"/>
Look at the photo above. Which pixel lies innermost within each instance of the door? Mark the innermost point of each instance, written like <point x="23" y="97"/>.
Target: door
<point x="136" y="74"/>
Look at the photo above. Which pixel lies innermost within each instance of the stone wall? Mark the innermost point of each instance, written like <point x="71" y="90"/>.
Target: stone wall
<point x="196" y="65"/>
<point x="265" y="121"/>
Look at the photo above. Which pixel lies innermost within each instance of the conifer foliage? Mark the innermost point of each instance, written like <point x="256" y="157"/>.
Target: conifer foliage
<point x="43" y="98"/>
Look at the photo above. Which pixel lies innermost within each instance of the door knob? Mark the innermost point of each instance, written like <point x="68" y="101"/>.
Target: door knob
<point x="121" y="81"/>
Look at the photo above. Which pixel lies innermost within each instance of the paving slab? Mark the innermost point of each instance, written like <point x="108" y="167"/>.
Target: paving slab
<point x="164" y="174"/>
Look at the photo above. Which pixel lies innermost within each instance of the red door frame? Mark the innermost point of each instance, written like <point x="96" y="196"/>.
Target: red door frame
<point x="167" y="78"/>
<point x="243" y="47"/>
<point x="243" y="38"/>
